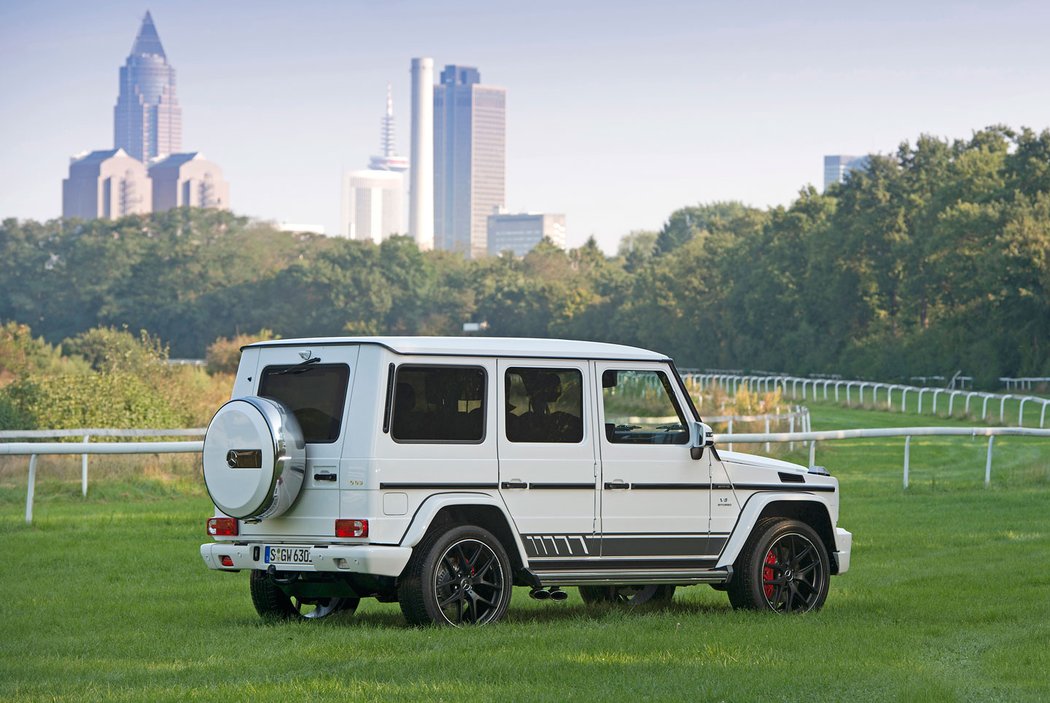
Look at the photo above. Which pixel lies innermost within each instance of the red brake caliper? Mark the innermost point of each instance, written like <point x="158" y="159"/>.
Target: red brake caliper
<point x="767" y="573"/>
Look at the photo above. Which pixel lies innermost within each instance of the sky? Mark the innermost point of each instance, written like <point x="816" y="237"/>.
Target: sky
<point x="618" y="113"/>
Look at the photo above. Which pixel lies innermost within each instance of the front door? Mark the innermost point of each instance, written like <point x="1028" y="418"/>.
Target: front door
<point x="547" y="459"/>
<point x="655" y="498"/>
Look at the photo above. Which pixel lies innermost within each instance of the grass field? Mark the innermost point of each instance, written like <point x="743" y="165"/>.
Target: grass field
<point x="948" y="599"/>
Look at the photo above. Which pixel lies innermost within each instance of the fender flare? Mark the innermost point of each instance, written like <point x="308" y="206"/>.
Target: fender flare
<point x="434" y="504"/>
<point x="748" y="517"/>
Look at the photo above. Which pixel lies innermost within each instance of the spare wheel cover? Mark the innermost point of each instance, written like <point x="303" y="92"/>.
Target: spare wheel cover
<point x="254" y="458"/>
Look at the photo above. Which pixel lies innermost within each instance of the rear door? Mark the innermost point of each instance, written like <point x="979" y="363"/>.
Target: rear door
<point x="547" y="459"/>
<point x="316" y="382"/>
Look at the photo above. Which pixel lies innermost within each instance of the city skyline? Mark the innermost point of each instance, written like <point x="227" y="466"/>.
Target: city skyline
<point x="661" y="107"/>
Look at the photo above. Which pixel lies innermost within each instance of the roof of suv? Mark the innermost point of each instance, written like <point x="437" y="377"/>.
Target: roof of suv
<point x="483" y="346"/>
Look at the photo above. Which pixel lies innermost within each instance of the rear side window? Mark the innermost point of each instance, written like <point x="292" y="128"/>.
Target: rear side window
<point x="544" y="405"/>
<point x="439" y="404"/>
<point x="315" y="393"/>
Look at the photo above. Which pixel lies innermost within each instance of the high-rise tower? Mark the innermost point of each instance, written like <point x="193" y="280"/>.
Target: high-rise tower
<point x="470" y="136"/>
<point x="421" y="175"/>
<point x="389" y="160"/>
<point x="372" y="198"/>
<point x="147" y="119"/>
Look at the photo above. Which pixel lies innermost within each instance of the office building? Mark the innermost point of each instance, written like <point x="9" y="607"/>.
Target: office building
<point x="147" y="120"/>
<point x="372" y="204"/>
<point x="421" y="171"/>
<point x="837" y="166"/>
<point x="469" y="159"/>
<point x="520" y="232"/>
<point x="107" y="184"/>
<point x="188" y="180"/>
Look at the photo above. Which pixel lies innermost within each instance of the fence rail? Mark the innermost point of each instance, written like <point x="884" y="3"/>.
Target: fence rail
<point x="35" y="449"/>
<point x="810" y="387"/>
<point x="87" y="433"/>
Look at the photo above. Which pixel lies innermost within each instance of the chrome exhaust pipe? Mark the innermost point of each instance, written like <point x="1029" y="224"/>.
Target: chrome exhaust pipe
<point x="539" y="594"/>
<point x="558" y="594"/>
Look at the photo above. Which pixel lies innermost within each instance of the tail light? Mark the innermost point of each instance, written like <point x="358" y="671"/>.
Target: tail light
<point x="226" y="560"/>
<point x="222" y="527"/>
<point x="351" y="528"/>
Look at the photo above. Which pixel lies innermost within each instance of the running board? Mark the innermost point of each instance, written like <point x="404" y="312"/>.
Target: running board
<point x="633" y="576"/>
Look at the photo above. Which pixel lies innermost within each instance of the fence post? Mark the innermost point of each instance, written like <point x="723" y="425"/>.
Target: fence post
<point x="84" y="469"/>
<point x="791" y="428"/>
<point x="907" y="459"/>
<point x="767" y="432"/>
<point x="31" y="489"/>
<point x="1020" y="413"/>
<point x="729" y="431"/>
<point x="812" y="454"/>
<point x="988" y="463"/>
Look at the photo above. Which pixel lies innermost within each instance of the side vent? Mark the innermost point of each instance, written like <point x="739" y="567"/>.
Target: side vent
<point x="791" y="478"/>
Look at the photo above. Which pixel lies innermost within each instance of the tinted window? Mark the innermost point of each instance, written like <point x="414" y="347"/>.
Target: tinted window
<point x="640" y="409"/>
<point x="544" y="405"/>
<point x="439" y="404"/>
<point x="315" y="393"/>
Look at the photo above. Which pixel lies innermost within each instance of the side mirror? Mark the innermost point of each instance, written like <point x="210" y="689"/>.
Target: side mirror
<point x="701" y="437"/>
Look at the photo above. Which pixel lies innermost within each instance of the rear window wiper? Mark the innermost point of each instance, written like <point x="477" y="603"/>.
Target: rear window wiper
<point x="299" y="368"/>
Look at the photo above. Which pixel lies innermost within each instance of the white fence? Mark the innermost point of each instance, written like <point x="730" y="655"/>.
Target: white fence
<point x="87" y="434"/>
<point x="839" y="389"/>
<point x="907" y="432"/>
<point x="34" y="449"/>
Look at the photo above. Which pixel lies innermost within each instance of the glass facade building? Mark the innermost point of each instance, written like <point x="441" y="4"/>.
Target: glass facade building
<point x="469" y="159"/>
<point x="838" y="165"/>
<point x="147" y="119"/>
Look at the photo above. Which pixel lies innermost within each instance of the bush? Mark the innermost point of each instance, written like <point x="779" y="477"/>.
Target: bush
<point x="109" y="349"/>
<point x="70" y="401"/>
<point x="225" y="353"/>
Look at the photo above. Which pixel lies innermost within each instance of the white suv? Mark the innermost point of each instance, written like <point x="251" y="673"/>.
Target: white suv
<point x="441" y="472"/>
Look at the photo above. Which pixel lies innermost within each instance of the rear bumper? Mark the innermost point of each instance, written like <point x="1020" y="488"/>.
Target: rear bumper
<point x="357" y="559"/>
<point x="843" y="546"/>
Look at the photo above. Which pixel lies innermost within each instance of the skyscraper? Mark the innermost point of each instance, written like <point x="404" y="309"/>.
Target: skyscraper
<point x="838" y="165"/>
<point x="147" y="119"/>
<point x="469" y="159"/>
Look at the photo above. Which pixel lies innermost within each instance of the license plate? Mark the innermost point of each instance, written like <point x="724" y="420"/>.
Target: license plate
<point x="287" y="555"/>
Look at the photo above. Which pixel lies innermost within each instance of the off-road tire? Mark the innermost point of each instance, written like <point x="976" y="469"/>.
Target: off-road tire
<point x="272" y="603"/>
<point x="783" y="567"/>
<point x="440" y="567"/>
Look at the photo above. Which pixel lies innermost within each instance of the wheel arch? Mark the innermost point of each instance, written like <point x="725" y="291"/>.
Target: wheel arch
<point x="808" y="509"/>
<point x="450" y="509"/>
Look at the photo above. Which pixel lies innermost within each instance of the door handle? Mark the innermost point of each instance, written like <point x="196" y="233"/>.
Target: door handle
<point x="617" y="484"/>
<point x="514" y="484"/>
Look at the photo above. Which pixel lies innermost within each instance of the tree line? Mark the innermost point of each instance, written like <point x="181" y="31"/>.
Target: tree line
<point x="930" y="260"/>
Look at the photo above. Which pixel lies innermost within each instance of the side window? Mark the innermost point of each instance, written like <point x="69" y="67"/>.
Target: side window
<point x="439" y="404"/>
<point x="544" y="405"/>
<point x="315" y="394"/>
<point x="640" y="408"/>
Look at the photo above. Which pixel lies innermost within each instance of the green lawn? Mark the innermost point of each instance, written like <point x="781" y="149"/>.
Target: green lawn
<point x="948" y="599"/>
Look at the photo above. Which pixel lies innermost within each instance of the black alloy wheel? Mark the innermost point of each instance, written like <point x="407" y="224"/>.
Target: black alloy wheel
<point x="459" y="577"/>
<point x="783" y="567"/>
<point x="273" y="603"/>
